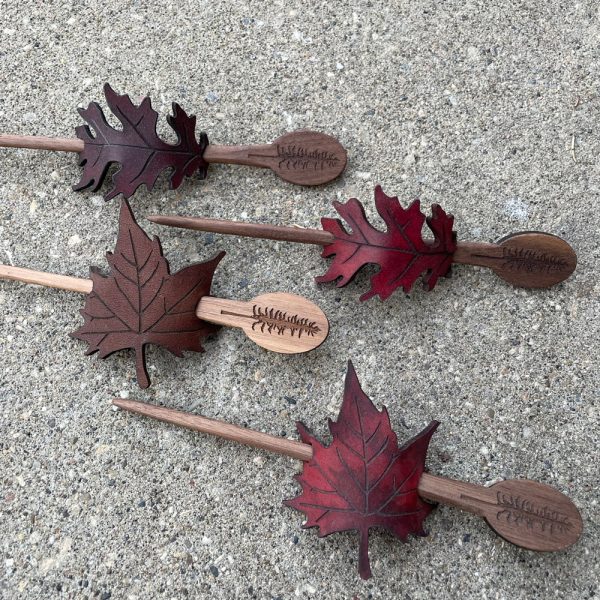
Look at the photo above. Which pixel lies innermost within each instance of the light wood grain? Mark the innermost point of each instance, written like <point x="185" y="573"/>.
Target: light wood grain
<point x="280" y="322"/>
<point x="526" y="513"/>
<point x="62" y="282"/>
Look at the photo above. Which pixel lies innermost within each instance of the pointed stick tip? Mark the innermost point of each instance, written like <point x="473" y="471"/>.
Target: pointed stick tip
<point x="135" y="406"/>
<point x="155" y="218"/>
<point x="130" y="405"/>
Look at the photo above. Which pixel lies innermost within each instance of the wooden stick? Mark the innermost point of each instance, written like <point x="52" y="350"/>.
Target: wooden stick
<point x="476" y="253"/>
<point x="252" y="230"/>
<point x="61" y="282"/>
<point x="527" y="259"/>
<point x="219" y="428"/>
<point x="249" y="437"/>
<point x="471" y="253"/>
<point x="302" y="157"/>
<point x="524" y="512"/>
<point x="35" y="142"/>
<point x="253" y="156"/>
<point x="213" y="153"/>
<point x="280" y="322"/>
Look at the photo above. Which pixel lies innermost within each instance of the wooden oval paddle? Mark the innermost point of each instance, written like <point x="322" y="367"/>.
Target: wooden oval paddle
<point x="524" y="512"/>
<point x="280" y="322"/>
<point x="530" y="259"/>
<point x="302" y="157"/>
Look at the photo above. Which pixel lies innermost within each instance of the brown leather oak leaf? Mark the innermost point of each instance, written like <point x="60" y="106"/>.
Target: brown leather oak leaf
<point x="141" y="303"/>
<point x="136" y="147"/>
<point x="363" y="479"/>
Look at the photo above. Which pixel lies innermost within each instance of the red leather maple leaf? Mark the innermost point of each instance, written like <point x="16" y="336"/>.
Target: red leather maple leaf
<point x="401" y="252"/>
<point x="362" y="479"/>
<point x="141" y="303"/>
<point x="137" y="147"/>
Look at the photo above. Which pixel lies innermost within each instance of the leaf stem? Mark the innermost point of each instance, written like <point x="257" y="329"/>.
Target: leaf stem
<point x="364" y="564"/>
<point x="140" y="366"/>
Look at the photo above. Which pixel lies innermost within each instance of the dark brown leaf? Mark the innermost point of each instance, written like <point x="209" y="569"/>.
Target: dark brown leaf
<point x="141" y="303"/>
<point x="137" y="147"/>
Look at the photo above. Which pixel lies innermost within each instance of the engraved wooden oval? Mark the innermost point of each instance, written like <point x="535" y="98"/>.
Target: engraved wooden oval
<point x="532" y="515"/>
<point x="280" y="322"/>
<point x="307" y="157"/>
<point x="534" y="259"/>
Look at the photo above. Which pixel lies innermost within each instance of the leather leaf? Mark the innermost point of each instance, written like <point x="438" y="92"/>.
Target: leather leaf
<point x="363" y="479"/>
<point x="136" y="147"/>
<point x="141" y="303"/>
<point x="400" y="251"/>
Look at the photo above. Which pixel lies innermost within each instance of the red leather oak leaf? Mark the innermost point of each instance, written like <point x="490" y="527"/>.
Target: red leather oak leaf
<point x="363" y="479"/>
<point x="401" y="252"/>
<point x="137" y="147"/>
<point x="141" y="303"/>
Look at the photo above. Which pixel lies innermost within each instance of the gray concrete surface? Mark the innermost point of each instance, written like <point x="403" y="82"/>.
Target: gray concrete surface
<point x="490" y="111"/>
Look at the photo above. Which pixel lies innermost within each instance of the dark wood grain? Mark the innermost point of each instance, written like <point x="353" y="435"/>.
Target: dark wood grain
<point x="253" y="230"/>
<point x="38" y="142"/>
<point x="529" y="259"/>
<point x="526" y="513"/>
<point x="302" y="157"/>
<point x="216" y="427"/>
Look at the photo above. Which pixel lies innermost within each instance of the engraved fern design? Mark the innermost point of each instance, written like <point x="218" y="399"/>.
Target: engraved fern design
<point x="297" y="158"/>
<point x="271" y="319"/>
<point x="521" y="511"/>
<point x="531" y="261"/>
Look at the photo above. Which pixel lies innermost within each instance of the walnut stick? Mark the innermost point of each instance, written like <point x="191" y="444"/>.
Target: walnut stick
<point x="249" y="437"/>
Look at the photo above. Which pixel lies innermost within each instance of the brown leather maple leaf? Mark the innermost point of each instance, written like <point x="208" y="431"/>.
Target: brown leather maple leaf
<point x="363" y="479"/>
<point x="401" y="252"/>
<point x="137" y="147"/>
<point x="141" y="303"/>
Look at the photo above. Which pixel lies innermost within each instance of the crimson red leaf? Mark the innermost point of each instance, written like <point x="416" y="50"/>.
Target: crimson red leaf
<point x="141" y="303"/>
<point x="362" y="479"/>
<point x="137" y="147"/>
<point x="401" y="252"/>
